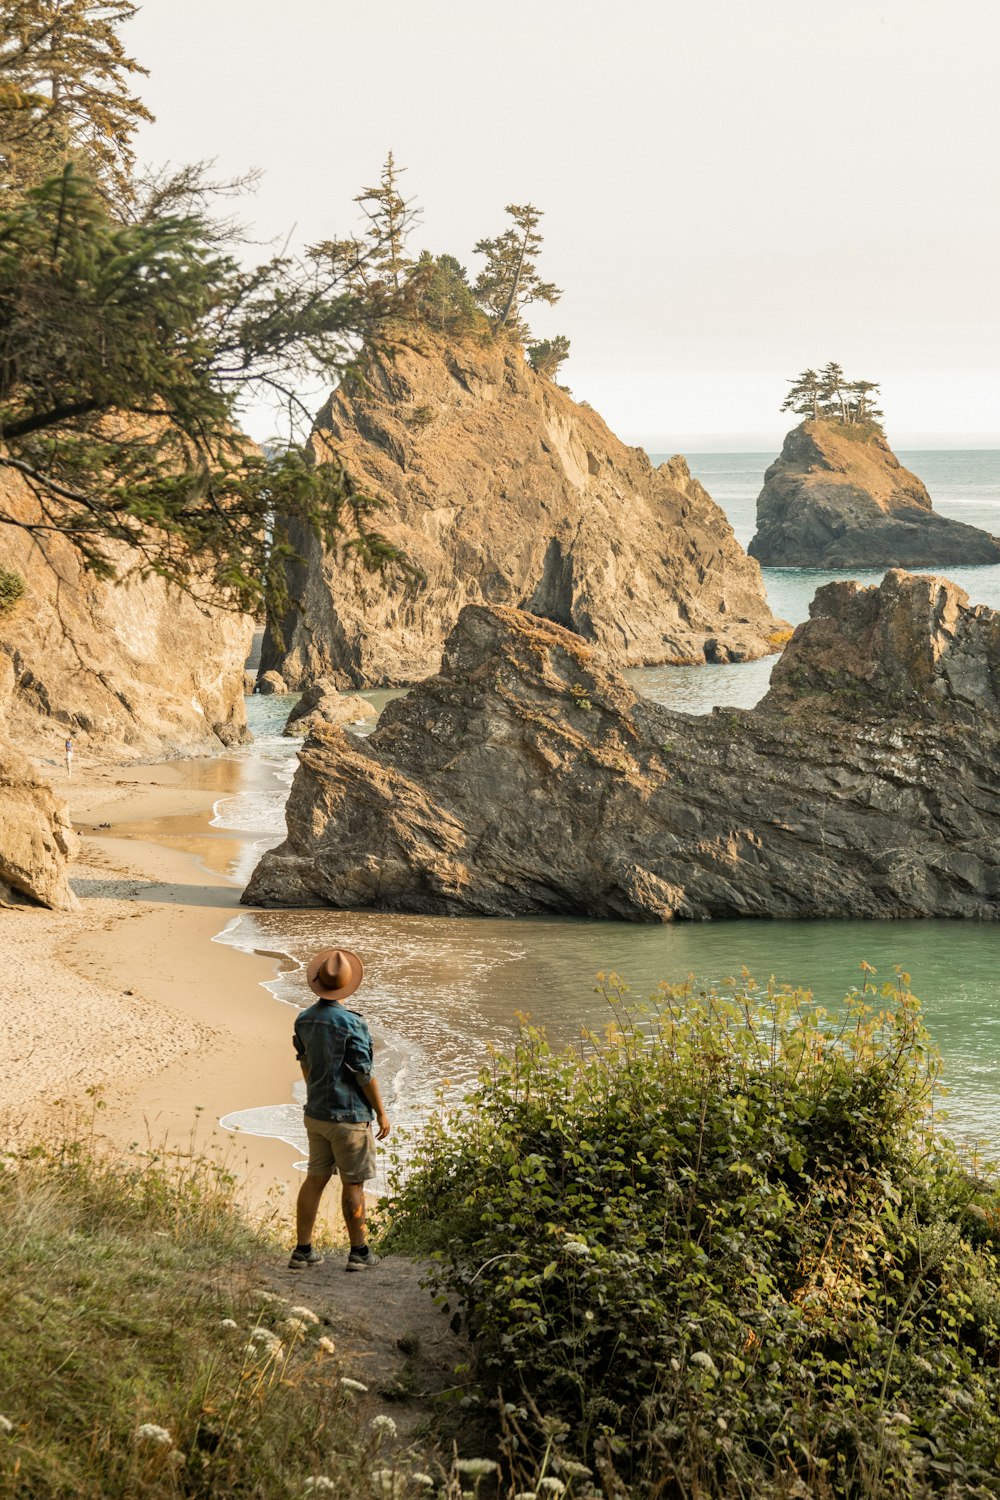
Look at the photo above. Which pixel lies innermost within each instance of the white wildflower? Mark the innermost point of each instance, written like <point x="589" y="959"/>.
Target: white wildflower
<point x="305" y="1313"/>
<point x="318" y="1484"/>
<point x="352" y="1385"/>
<point x="574" y="1470"/>
<point x="579" y="1248"/>
<point x="263" y="1296"/>
<point x="387" y="1481"/>
<point x="552" y="1484"/>
<point x="148" y="1432"/>
<point x="178" y="1459"/>
<point x="296" y="1327"/>
<point x="6" y="1426"/>
<point x="475" y="1468"/>
<point x="229" y="1323"/>
<point x="422" y="1481"/>
<point x="264" y="1336"/>
<point x="704" y="1361"/>
<point x="526" y="1495"/>
<point x="327" y="1345"/>
<point x="383" y="1426"/>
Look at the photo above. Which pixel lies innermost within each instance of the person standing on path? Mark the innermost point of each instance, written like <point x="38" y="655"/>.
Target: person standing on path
<point x="69" y="758"/>
<point x="334" y="1048"/>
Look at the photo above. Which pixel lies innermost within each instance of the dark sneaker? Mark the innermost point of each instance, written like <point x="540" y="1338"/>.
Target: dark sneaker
<point x="360" y="1260"/>
<point x="303" y="1258"/>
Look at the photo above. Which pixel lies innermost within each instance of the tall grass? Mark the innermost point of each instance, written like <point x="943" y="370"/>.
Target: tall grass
<point x="138" y="1354"/>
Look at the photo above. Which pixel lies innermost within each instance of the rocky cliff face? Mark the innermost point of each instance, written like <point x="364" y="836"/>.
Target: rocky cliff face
<point x="528" y="777"/>
<point x="506" y="491"/>
<point x="839" y="498"/>
<point x="128" y="670"/>
<point x="36" y="838"/>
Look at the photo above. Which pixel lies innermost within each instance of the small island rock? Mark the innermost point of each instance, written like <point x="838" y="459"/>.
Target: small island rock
<point x="321" y="703"/>
<point x="838" y="497"/>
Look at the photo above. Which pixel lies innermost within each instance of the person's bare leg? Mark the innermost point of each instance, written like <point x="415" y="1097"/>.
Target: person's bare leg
<point x="352" y="1202"/>
<point x="307" y="1207"/>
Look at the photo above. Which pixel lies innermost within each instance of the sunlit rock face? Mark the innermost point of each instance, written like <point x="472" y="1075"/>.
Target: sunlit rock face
<point x="129" y="669"/>
<point x="838" y="497"/>
<point x="37" y="841"/>
<point x="503" y="490"/>
<point x="526" y="776"/>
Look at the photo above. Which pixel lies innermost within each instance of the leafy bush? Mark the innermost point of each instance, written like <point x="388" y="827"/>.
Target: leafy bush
<point x="722" y="1250"/>
<point x="11" y="590"/>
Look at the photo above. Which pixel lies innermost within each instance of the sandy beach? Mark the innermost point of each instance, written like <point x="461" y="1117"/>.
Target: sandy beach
<point x="129" y="996"/>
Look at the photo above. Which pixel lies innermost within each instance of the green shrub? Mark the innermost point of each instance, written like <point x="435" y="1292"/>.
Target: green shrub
<point x="722" y="1249"/>
<point x="11" y="590"/>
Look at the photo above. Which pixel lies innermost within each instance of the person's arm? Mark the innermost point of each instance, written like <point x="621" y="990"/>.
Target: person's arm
<point x="359" y="1058"/>
<point x="373" y="1094"/>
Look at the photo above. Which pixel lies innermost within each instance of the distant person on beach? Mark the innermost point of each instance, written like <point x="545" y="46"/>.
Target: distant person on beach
<point x="334" y="1048"/>
<point x="69" y="757"/>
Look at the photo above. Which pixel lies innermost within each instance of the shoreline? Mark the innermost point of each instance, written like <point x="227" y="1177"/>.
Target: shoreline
<point x="169" y="1030"/>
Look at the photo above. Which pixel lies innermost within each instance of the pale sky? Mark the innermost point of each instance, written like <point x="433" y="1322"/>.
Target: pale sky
<point x="733" y="189"/>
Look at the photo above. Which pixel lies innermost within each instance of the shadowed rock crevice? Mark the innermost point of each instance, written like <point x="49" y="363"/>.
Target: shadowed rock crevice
<point x="528" y="777"/>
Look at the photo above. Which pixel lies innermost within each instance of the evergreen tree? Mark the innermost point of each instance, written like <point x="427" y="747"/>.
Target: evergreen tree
<point x="378" y="258"/>
<point x="830" y="396"/>
<point x="548" y="354"/>
<point x="804" y="395"/>
<point x="510" y="279"/>
<point x="125" y="351"/>
<point x="443" y="296"/>
<point x="862" y="396"/>
<point x="64" y="91"/>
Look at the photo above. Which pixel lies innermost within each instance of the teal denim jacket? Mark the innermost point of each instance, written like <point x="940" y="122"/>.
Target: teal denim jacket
<point x="336" y="1047"/>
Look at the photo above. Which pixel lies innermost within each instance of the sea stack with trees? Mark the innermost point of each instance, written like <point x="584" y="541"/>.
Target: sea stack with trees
<point x="838" y="497"/>
<point x="496" y="485"/>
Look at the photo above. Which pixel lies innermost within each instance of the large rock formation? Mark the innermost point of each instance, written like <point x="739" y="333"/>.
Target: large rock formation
<point x="134" y="669"/>
<point x="838" y="497"/>
<point x="528" y="777"/>
<point x="36" y="838"/>
<point x="504" y="490"/>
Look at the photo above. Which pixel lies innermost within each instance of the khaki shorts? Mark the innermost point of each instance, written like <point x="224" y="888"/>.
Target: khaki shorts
<point x="339" y="1146"/>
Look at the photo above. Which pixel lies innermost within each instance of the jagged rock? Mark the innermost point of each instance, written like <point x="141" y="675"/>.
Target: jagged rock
<point x="838" y="497"/>
<point x="272" y="682"/>
<point x="321" y="703"/>
<point x="36" y="837"/>
<point x="504" y="490"/>
<point x="528" y="777"/>
<point x="129" y="669"/>
<point x="249" y="684"/>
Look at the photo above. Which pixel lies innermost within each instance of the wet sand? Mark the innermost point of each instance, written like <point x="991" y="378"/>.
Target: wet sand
<point x="129" y="995"/>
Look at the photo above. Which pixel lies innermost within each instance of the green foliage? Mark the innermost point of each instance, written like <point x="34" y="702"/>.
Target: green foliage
<point x="64" y="92"/>
<point x="510" y="280"/>
<point x="125" y="351"/>
<point x="11" y="590"/>
<point x="547" y="355"/>
<point x="444" y="298"/>
<point x="721" y="1250"/>
<point x="851" y="403"/>
<point x="378" y="259"/>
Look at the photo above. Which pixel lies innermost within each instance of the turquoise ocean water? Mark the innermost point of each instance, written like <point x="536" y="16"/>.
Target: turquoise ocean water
<point x="440" y="990"/>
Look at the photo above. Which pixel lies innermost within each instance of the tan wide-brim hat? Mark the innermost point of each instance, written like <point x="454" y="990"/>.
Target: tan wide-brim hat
<point x="335" y="973"/>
